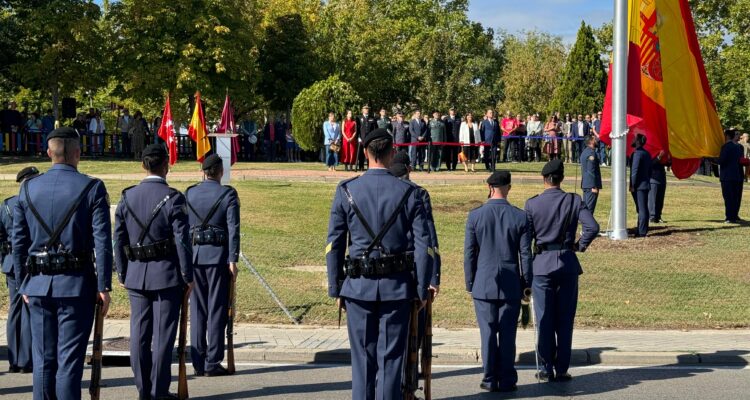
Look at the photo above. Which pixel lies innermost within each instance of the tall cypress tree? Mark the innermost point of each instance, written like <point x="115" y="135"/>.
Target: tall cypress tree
<point x="584" y="80"/>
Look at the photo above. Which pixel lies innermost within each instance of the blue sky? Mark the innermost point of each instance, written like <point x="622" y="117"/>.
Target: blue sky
<point x="560" y="17"/>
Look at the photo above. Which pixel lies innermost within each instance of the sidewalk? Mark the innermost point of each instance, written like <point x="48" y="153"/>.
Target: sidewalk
<point x="309" y="344"/>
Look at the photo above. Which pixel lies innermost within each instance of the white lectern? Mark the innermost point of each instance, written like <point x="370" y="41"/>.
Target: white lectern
<point x="224" y="150"/>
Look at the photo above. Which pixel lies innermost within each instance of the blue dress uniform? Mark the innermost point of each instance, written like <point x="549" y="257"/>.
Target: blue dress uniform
<point x="640" y="184"/>
<point x="591" y="178"/>
<point x="154" y="261"/>
<point x="731" y="177"/>
<point x="377" y="282"/>
<point x="554" y="217"/>
<point x="60" y="275"/>
<point x="214" y="212"/>
<point x="497" y="267"/>
<point x="18" y="326"/>
<point x="658" y="189"/>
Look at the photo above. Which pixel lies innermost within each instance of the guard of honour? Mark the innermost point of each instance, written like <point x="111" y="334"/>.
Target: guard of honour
<point x="383" y="268"/>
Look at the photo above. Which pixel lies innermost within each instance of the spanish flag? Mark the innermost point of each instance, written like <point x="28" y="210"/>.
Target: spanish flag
<point x="197" y="130"/>
<point x="669" y="99"/>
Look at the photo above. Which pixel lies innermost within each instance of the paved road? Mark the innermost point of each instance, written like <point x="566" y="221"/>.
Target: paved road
<point x="331" y="382"/>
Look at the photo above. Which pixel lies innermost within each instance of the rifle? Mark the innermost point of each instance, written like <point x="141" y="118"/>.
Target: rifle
<point x="427" y="350"/>
<point x="356" y="158"/>
<point x="230" y="326"/>
<point x="182" y="386"/>
<point x="411" y="380"/>
<point x="96" y="354"/>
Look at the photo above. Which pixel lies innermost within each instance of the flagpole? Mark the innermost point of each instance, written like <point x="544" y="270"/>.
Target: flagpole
<point x="620" y="123"/>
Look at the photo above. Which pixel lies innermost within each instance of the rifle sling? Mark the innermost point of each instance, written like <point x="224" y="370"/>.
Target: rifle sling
<point x="211" y="212"/>
<point x="55" y="235"/>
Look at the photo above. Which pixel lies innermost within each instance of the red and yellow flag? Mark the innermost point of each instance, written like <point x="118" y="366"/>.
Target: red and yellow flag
<point x="197" y="130"/>
<point x="669" y="99"/>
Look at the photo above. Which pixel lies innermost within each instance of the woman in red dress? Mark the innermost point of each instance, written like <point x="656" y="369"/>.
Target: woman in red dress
<point x="349" y="144"/>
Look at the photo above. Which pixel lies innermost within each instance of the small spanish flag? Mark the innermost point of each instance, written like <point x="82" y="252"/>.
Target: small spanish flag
<point x="197" y="130"/>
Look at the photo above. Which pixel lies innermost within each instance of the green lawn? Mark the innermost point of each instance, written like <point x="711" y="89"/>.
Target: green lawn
<point x="692" y="273"/>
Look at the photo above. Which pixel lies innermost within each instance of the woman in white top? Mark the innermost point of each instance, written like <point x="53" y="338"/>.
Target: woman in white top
<point x="469" y="136"/>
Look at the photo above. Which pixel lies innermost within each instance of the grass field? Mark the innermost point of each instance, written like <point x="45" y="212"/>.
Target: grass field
<point x="691" y="273"/>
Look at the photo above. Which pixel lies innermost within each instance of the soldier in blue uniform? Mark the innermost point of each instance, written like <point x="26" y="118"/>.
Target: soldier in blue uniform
<point x="153" y="256"/>
<point x="60" y="222"/>
<point x="554" y="216"/>
<point x="214" y="212"/>
<point x="731" y="176"/>
<point x="497" y="269"/>
<point x="658" y="186"/>
<point x="18" y="328"/>
<point x="591" y="179"/>
<point x="379" y="279"/>
<point x="640" y="183"/>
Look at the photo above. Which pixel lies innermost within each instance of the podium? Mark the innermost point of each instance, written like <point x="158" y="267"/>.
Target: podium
<point x="224" y="150"/>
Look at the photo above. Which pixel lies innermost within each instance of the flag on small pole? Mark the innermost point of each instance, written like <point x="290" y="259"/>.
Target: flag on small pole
<point x="197" y="130"/>
<point x="166" y="133"/>
<point x="227" y="126"/>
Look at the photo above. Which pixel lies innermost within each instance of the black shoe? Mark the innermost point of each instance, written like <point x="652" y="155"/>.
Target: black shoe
<point x="27" y="370"/>
<point x="507" y="389"/>
<point x="490" y="387"/>
<point x="198" y="373"/>
<point x="543" y="376"/>
<point x="219" y="371"/>
<point x="168" y="396"/>
<point x="13" y="369"/>
<point x="565" y="377"/>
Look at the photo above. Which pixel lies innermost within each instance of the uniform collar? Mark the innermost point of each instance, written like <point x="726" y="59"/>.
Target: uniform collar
<point x="154" y="179"/>
<point x="63" y="167"/>
<point x="498" y="201"/>
<point x="377" y="171"/>
<point x="553" y="190"/>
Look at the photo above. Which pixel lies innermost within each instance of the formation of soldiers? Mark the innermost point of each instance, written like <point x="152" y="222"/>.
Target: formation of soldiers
<point x="58" y="254"/>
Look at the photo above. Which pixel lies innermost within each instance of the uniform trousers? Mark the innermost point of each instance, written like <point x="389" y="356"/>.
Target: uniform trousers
<point x="378" y="333"/>
<point x="555" y="301"/>
<point x="61" y="333"/>
<point x="589" y="199"/>
<point x="209" y="303"/>
<point x="450" y="155"/>
<point x="640" y="197"/>
<point x="656" y="200"/>
<point x="732" y="193"/>
<point x="498" y="320"/>
<point x="18" y="327"/>
<point x="154" y="318"/>
<point x="436" y="155"/>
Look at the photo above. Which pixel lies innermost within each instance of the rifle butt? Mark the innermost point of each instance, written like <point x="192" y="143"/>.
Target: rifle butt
<point x="96" y="353"/>
<point x="182" y="386"/>
<point x="230" y="328"/>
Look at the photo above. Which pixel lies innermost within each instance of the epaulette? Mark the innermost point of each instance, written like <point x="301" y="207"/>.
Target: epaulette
<point x="6" y="200"/>
<point x="128" y="188"/>
<point x="346" y="181"/>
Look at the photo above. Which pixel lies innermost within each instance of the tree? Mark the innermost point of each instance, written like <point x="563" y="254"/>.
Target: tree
<point x="584" y="81"/>
<point x="534" y="64"/>
<point x="605" y="38"/>
<point x="312" y="105"/>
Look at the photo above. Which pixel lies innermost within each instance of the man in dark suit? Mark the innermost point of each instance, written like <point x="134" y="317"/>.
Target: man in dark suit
<point x="640" y="183"/>
<point x="490" y="133"/>
<point x="731" y="176"/>
<point x="380" y="280"/>
<point x="269" y="138"/>
<point x="554" y="216"/>
<point x="280" y="129"/>
<point x="452" y="131"/>
<point x="591" y="176"/>
<point x="658" y="186"/>
<point x="61" y="219"/>
<point x="18" y="326"/>
<point x="579" y="130"/>
<point x="498" y="235"/>
<point x="401" y="132"/>
<point x="154" y="262"/>
<point x="418" y="131"/>
<point x="214" y="212"/>
<point x="365" y="124"/>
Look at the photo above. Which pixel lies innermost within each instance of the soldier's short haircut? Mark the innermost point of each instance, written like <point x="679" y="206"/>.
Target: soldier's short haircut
<point x="214" y="171"/>
<point x="380" y="148"/>
<point x="153" y="163"/>
<point x="554" y="179"/>
<point x="63" y="149"/>
<point x="588" y="139"/>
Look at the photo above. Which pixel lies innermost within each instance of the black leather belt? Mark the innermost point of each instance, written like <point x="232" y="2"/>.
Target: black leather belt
<point x="209" y="236"/>
<point x="541" y="248"/>
<point x="385" y="265"/>
<point x="160" y="250"/>
<point x="44" y="263"/>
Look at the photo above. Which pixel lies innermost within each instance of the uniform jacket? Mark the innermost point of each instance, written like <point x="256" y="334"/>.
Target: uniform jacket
<point x="452" y="128"/>
<point x="437" y="131"/>
<point x="377" y="193"/>
<point x="365" y="125"/>
<point x="384" y="123"/>
<point x="591" y="176"/>
<point x="201" y="198"/>
<point x="547" y="213"/>
<point x="640" y="170"/>
<point x="417" y="129"/>
<point x="658" y="173"/>
<point x="170" y="222"/>
<point x="497" y="251"/>
<point x="6" y="228"/>
<point x="436" y="260"/>
<point x="401" y="132"/>
<point x="90" y="229"/>
<point x="729" y="162"/>
<point x="490" y="131"/>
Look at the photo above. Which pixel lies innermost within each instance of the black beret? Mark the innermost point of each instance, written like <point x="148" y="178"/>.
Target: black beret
<point x="640" y="140"/>
<point x="155" y="150"/>
<point x="26" y="172"/>
<point x="63" y="133"/>
<point x="380" y="133"/>
<point x="399" y="170"/>
<point x="499" y="178"/>
<point x="554" y="167"/>
<point x="211" y="161"/>
<point x="401" y="157"/>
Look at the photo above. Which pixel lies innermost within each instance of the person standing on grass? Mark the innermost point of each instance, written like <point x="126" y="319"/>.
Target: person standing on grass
<point x="437" y="135"/>
<point x="469" y="137"/>
<point x="554" y="217"/>
<point x="591" y="175"/>
<point x="331" y="135"/>
<point x="731" y="176"/>
<point x="349" y="143"/>
<point x="497" y="270"/>
<point x="640" y="183"/>
<point x="658" y="186"/>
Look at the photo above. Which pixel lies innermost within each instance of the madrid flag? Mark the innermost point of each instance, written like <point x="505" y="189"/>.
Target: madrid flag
<point x="197" y="130"/>
<point x="166" y="133"/>
<point x="669" y="99"/>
